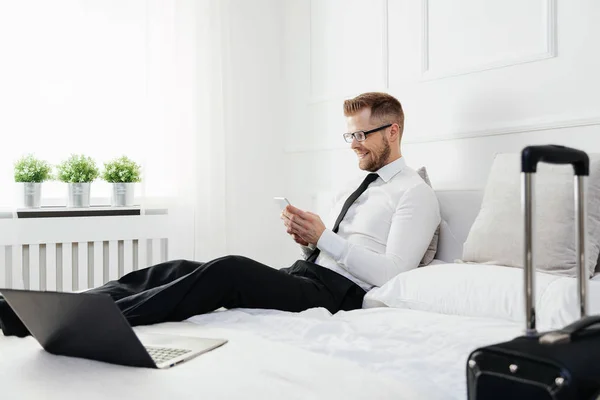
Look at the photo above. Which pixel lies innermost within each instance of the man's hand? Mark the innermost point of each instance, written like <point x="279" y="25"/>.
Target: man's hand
<point x="287" y="222"/>
<point x="302" y="225"/>
<point x="298" y="239"/>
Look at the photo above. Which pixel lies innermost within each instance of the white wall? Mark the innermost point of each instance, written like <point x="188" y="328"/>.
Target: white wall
<point x="474" y="77"/>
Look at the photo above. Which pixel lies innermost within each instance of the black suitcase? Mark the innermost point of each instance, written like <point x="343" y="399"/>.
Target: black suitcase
<point x="562" y="364"/>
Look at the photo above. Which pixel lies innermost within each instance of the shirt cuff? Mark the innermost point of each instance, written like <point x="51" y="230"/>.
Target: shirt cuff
<point x="332" y="244"/>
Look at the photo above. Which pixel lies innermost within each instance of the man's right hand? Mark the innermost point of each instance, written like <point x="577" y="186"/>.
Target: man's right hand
<point x="299" y="240"/>
<point x="286" y="221"/>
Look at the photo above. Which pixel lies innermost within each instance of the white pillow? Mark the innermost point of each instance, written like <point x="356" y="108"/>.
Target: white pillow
<point x="488" y="291"/>
<point x="496" y="236"/>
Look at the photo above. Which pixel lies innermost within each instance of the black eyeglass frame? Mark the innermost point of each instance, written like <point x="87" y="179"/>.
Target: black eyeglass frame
<point x="352" y="135"/>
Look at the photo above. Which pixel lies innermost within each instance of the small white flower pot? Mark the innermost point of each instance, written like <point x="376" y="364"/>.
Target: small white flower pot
<point x="32" y="194"/>
<point x="122" y="194"/>
<point x="79" y="195"/>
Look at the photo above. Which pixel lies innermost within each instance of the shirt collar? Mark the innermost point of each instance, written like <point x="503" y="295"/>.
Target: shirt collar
<point x="388" y="171"/>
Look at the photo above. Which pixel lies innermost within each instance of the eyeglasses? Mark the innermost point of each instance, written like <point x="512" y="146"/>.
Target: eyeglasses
<point x="362" y="135"/>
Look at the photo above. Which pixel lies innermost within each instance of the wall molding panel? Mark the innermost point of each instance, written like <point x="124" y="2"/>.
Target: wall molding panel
<point x="430" y="46"/>
<point x="385" y="44"/>
<point x="548" y="50"/>
<point x="429" y="72"/>
<point x="381" y="81"/>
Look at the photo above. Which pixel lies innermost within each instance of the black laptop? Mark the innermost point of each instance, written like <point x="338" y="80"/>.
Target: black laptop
<point x="91" y="326"/>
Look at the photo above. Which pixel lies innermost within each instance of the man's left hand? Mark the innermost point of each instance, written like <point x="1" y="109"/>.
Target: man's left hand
<point x="305" y="224"/>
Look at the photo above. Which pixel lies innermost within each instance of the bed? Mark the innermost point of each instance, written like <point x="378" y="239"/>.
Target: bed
<point x="377" y="353"/>
<point x="410" y="341"/>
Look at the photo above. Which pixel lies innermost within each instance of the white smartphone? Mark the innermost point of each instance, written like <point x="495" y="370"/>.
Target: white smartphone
<point x="282" y="202"/>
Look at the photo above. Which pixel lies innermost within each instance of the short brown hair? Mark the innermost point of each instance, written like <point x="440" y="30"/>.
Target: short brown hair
<point x="384" y="107"/>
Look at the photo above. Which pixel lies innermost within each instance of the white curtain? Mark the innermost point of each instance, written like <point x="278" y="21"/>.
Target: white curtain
<point x="213" y="63"/>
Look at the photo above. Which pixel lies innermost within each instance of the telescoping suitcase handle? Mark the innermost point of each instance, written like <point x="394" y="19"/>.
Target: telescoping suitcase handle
<point x="554" y="154"/>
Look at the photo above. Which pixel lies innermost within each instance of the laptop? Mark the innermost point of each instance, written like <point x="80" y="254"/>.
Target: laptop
<point x="91" y="326"/>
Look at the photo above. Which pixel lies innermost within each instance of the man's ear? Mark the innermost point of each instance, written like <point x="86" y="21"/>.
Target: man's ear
<point x="395" y="132"/>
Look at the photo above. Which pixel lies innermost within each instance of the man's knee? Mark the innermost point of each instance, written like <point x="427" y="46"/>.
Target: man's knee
<point x="179" y="266"/>
<point x="226" y="266"/>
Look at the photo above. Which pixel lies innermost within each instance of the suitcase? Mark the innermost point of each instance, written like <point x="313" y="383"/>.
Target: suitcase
<point x="562" y="364"/>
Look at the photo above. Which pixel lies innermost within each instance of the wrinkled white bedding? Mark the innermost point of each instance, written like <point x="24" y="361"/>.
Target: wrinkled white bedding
<point x="377" y="353"/>
<point x="426" y="349"/>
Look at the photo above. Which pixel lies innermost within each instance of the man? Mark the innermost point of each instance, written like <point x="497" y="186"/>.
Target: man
<point x="382" y="228"/>
<point x="389" y="227"/>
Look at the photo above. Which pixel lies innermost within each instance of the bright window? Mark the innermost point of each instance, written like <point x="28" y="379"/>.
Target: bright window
<point x="93" y="77"/>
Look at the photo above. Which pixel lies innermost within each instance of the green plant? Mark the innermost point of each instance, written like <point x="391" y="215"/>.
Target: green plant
<point x="77" y="169"/>
<point x="31" y="169"/>
<point x="121" y="170"/>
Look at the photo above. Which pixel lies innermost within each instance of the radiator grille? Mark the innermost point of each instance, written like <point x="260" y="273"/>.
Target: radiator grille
<point x="76" y="266"/>
<point x="73" y="254"/>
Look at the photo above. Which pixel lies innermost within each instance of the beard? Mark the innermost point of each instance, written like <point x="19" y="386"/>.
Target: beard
<point x="376" y="158"/>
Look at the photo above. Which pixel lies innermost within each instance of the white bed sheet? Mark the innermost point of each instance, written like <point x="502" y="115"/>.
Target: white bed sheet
<point x="248" y="367"/>
<point x="428" y="350"/>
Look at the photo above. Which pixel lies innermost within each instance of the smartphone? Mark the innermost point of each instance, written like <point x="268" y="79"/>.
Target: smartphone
<point x="282" y="202"/>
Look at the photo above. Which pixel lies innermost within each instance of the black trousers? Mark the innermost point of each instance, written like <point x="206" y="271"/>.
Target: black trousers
<point x="177" y="290"/>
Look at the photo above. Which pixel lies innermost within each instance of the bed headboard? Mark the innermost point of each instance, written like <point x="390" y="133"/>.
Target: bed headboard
<point x="459" y="209"/>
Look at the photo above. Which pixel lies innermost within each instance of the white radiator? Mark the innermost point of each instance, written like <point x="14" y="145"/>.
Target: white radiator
<point x="78" y="253"/>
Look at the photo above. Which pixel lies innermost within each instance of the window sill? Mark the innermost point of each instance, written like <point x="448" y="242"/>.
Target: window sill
<point x="92" y="211"/>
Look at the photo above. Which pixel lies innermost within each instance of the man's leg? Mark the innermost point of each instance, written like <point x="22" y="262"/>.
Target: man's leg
<point x="240" y="282"/>
<point x="10" y="324"/>
<point x="133" y="283"/>
<point x="230" y="282"/>
<point x="147" y="278"/>
<point x="178" y="290"/>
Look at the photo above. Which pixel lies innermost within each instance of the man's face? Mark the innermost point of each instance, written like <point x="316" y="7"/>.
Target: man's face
<point x="374" y="151"/>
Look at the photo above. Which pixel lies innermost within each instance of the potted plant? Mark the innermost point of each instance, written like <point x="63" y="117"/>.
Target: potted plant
<point x="79" y="172"/>
<point x="123" y="173"/>
<point x="31" y="172"/>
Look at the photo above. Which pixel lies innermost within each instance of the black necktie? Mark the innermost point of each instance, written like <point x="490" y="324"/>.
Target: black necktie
<point x="355" y="195"/>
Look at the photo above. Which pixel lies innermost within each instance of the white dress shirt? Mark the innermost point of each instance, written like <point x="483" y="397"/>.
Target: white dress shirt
<point x="385" y="231"/>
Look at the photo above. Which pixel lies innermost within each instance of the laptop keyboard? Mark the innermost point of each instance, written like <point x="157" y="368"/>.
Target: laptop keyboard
<point x="164" y="354"/>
